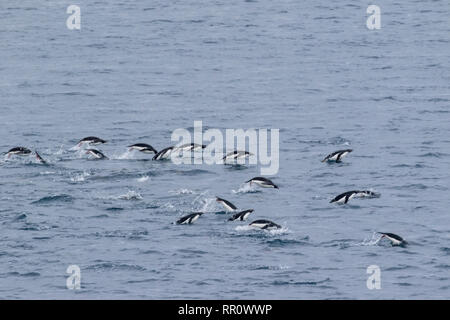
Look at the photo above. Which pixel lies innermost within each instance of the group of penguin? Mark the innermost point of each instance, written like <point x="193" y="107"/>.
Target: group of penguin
<point x="263" y="224"/>
<point x="337" y="156"/>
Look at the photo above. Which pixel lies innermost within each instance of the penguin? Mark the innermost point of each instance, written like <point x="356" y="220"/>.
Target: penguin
<point x="190" y="218"/>
<point x="191" y="147"/>
<point x="395" y="239"/>
<point x="39" y="158"/>
<point x="235" y="155"/>
<point x="241" y="216"/>
<point x="19" y="151"/>
<point x="337" y="155"/>
<point x="262" y="182"/>
<point x="264" y="224"/>
<point x="143" y="147"/>
<point x="96" y="154"/>
<point x="226" y="204"/>
<point x="346" y="196"/>
<point x="163" y="154"/>
<point x="92" y="141"/>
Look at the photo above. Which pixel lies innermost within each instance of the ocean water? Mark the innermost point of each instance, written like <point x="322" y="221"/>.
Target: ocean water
<point x="136" y="71"/>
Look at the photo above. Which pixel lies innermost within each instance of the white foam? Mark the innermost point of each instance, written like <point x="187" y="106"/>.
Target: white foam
<point x="80" y="153"/>
<point x="204" y="202"/>
<point x="60" y="150"/>
<point x="143" y="179"/>
<point x="182" y="191"/>
<point x="208" y="205"/>
<point x="275" y="232"/>
<point x="44" y="173"/>
<point x="244" y="228"/>
<point x="77" y="147"/>
<point x="131" y="195"/>
<point x="373" y="241"/>
<point x="246" y="188"/>
<point x="124" y="156"/>
<point x="272" y="232"/>
<point x="283" y="267"/>
<point x="80" y="177"/>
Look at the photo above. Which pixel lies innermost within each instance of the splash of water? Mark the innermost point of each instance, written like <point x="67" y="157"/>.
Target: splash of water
<point x="182" y="191"/>
<point x="244" y="228"/>
<point x="80" y="177"/>
<point x="60" y="150"/>
<point x="373" y="241"/>
<point x="143" y="179"/>
<point x="272" y="232"/>
<point x="246" y="188"/>
<point x="127" y="155"/>
<point x="209" y="205"/>
<point x="131" y="195"/>
<point x="77" y="147"/>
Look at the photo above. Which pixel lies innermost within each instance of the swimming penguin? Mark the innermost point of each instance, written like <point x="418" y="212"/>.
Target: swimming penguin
<point x="191" y="147"/>
<point x="395" y="239"/>
<point x="346" y="196"/>
<point x="39" y="158"/>
<point x="226" y="204"/>
<point x="19" y="151"/>
<point x="97" y="154"/>
<point x="235" y="155"/>
<point x="264" y="224"/>
<point x="163" y="154"/>
<point x="143" y="147"/>
<point x="369" y="194"/>
<point x="337" y="155"/>
<point x="262" y="182"/>
<point x="241" y="216"/>
<point x="92" y="141"/>
<point x="190" y="218"/>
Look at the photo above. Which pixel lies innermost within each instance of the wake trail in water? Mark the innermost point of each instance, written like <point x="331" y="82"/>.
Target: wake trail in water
<point x="247" y="188"/>
<point x="272" y="232"/>
<point x="372" y="241"/>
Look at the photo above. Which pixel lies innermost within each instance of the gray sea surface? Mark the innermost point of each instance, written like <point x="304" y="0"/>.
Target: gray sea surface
<point x="138" y="70"/>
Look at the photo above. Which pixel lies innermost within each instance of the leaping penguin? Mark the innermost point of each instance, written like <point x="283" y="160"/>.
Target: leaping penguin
<point x="395" y="239"/>
<point x="190" y="218"/>
<point x="92" y="141"/>
<point x="143" y="147"/>
<point x="241" y="216"/>
<point x="226" y="204"/>
<point x="96" y="154"/>
<point x="262" y="182"/>
<point x="19" y="151"/>
<point x="191" y="147"/>
<point x="235" y="155"/>
<point x="337" y="155"/>
<point x="39" y="158"/>
<point x="163" y="154"/>
<point x="346" y="196"/>
<point x="264" y="224"/>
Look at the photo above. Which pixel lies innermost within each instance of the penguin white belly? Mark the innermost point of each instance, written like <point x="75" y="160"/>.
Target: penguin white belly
<point x="334" y="158"/>
<point x="244" y="217"/>
<point x="258" y="225"/>
<point x="193" y="219"/>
